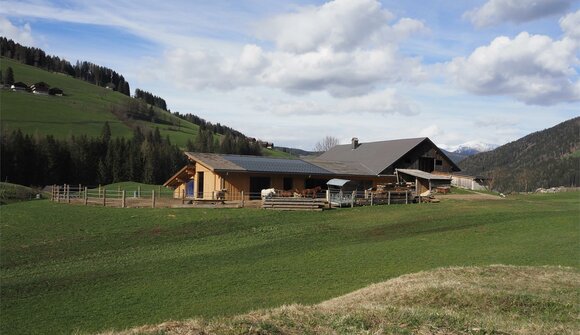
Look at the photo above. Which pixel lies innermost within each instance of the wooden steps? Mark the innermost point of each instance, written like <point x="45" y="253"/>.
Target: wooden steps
<point x="294" y="204"/>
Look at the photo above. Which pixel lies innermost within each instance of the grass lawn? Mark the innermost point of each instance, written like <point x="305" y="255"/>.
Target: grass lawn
<point x="66" y="267"/>
<point x="130" y="187"/>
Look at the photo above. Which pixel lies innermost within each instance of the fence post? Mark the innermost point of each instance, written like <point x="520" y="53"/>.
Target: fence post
<point x="243" y="200"/>
<point x="183" y="197"/>
<point x="372" y="198"/>
<point x="388" y="197"/>
<point x="138" y="191"/>
<point x="67" y="193"/>
<point x="105" y="197"/>
<point x="406" y="197"/>
<point x="86" y="196"/>
<point x="352" y="199"/>
<point x="123" y="204"/>
<point x="152" y="198"/>
<point x="57" y="193"/>
<point x="100" y="190"/>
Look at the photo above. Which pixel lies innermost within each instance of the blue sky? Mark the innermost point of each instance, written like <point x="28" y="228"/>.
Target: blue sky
<point x="293" y="72"/>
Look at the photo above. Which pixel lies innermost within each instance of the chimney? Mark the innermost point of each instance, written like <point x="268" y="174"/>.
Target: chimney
<point x="354" y="143"/>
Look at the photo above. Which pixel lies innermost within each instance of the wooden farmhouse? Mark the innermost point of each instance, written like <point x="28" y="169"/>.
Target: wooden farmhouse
<point x="208" y="176"/>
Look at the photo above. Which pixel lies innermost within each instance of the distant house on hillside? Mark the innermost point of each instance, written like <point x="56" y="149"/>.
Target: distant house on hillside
<point x="19" y="87"/>
<point x="56" y="91"/>
<point x="40" y="88"/>
<point x="366" y="164"/>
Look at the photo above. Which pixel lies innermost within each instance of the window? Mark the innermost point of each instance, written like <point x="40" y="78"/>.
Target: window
<point x="438" y="162"/>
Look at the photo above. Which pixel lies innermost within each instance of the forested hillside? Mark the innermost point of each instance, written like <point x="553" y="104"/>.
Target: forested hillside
<point x="48" y="139"/>
<point x="546" y="158"/>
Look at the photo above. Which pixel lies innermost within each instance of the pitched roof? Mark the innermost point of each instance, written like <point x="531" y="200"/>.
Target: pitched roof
<point x="374" y="156"/>
<point x="342" y="168"/>
<point x="242" y="163"/>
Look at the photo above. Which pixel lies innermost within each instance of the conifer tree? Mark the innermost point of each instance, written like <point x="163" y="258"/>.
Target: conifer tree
<point x="9" y="76"/>
<point x="106" y="132"/>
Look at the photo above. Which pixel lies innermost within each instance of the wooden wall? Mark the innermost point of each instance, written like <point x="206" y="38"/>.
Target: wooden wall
<point x="416" y="159"/>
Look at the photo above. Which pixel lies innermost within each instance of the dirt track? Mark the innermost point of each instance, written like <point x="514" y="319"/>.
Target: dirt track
<point x="473" y="196"/>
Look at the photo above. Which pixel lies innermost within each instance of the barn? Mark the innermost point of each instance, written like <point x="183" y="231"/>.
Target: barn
<point x="365" y="164"/>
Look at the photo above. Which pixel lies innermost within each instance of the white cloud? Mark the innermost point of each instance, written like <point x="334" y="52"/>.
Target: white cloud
<point x="339" y="73"/>
<point x="431" y="131"/>
<point x="346" y="48"/>
<point x="383" y="102"/>
<point x="570" y="25"/>
<point x="22" y="35"/>
<point x="532" y="68"/>
<point x="339" y="24"/>
<point x="517" y="11"/>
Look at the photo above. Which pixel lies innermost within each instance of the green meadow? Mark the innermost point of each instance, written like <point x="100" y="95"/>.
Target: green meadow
<point x="67" y="268"/>
<point x="81" y="111"/>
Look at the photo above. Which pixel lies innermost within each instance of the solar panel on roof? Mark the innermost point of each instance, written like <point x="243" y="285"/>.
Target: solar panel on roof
<point x="275" y="165"/>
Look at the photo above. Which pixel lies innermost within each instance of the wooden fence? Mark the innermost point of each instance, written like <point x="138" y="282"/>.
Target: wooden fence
<point x="163" y="198"/>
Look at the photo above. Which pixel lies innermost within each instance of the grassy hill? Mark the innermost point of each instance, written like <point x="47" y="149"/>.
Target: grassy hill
<point x="83" y="110"/>
<point x="10" y="193"/>
<point x="547" y="158"/>
<point x="68" y="268"/>
<point x="460" y="300"/>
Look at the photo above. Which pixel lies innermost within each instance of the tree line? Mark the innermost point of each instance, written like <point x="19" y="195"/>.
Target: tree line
<point x="151" y="99"/>
<point x="547" y="158"/>
<point x="87" y="71"/>
<point x="215" y="128"/>
<point x="34" y="160"/>
<point x="206" y="141"/>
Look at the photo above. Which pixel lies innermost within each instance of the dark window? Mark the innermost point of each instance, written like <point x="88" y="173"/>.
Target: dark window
<point x="288" y="183"/>
<point x="313" y="182"/>
<point x="438" y="162"/>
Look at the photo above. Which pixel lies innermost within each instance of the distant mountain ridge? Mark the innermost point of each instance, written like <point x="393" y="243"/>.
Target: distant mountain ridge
<point x="546" y="158"/>
<point x="474" y="147"/>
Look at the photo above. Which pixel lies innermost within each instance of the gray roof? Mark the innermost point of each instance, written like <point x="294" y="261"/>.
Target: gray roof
<point x="423" y="174"/>
<point x="242" y="163"/>
<point x="374" y="156"/>
<point x="343" y="168"/>
<point x="337" y="182"/>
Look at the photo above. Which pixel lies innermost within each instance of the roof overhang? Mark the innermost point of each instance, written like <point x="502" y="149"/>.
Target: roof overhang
<point x="183" y="175"/>
<point x="422" y="174"/>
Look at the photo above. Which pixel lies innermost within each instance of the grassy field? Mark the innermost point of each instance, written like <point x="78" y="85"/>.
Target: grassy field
<point x="71" y="268"/>
<point x="83" y="110"/>
<point x="494" y="299"/>
<point x="131" y="187"/>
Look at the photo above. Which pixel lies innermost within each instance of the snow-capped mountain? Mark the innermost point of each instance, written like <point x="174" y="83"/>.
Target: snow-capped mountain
<point x="473" y="147"/>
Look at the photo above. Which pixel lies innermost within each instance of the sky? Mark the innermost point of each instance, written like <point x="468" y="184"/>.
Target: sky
<point x="293" y="72"/>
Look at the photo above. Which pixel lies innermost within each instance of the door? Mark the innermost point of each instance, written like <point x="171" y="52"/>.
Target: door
<point x="200" y="185"/>
<point x="189" y="189"/>
<point x="426" y="164"/>
<point x="257" y="184"/>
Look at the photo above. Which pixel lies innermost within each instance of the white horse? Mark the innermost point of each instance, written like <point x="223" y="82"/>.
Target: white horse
<point x="268" y="193"/>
